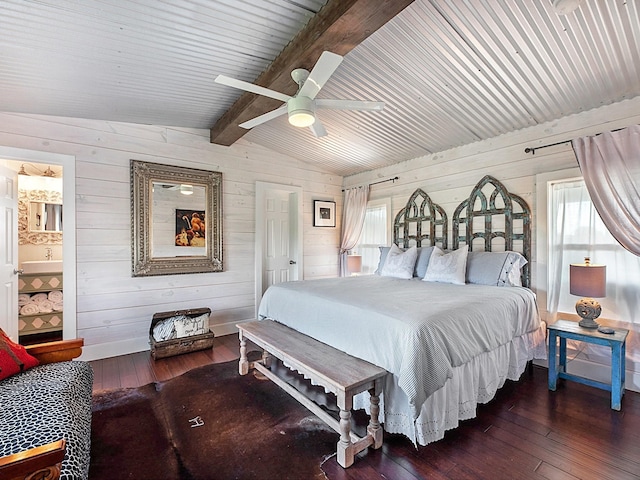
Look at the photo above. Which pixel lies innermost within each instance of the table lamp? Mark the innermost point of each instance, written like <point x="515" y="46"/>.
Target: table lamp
<point x="354" y="264"/>
<point x="588" y="281"/>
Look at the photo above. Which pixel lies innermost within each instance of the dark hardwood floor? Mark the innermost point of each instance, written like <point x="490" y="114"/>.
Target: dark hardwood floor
<point x="526" y="432"/>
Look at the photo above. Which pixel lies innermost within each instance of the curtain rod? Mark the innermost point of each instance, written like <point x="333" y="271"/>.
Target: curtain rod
<point x="383" y="181"/>
<point x="532" y="150"/>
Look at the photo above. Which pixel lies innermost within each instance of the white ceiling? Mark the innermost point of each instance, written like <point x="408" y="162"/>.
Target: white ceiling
<point x="450" y="72"/>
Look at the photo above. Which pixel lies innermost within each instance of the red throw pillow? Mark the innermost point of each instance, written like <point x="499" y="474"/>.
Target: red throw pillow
<point x="13" y="357"/>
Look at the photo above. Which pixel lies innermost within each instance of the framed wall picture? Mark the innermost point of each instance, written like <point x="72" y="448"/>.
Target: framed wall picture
<point x="324" y="213"/>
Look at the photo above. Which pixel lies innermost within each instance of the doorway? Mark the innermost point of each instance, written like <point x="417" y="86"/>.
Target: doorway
<point x="279" y="227"/>
<point x="48" y="167"/>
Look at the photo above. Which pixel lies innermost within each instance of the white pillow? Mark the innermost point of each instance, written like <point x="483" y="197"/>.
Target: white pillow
<point x="187" y="326"/>
<point x="399" y="263"/>
<point x="447" y="267"/>
<point x="514" y="277"/>
<point x="422" y="260"/>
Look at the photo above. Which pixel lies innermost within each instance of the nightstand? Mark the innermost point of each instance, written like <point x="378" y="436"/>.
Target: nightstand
<point x="564" y="329"/>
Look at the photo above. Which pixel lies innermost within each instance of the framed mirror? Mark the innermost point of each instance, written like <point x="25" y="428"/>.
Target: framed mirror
<point x="176" y="220"/>
<point x="45" y="217"/>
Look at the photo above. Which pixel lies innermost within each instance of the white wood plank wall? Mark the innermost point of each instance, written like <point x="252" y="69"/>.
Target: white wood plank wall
<point x="113" y="307"/>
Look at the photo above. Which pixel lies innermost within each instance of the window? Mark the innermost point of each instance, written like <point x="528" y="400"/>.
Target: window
<point x="576" y="231"/>
<point x="376" y="232"/>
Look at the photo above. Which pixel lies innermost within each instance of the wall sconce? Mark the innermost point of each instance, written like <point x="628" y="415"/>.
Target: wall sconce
<point x="588" y="281"/>
<point x="46" y="173"/>
<point x="49" y="173"/>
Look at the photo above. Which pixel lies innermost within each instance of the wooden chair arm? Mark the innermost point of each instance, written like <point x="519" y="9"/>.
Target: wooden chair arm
<point x="37" y="462"/>
<point x="60" y="351"/>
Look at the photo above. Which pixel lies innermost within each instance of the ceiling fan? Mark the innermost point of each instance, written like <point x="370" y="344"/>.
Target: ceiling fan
<point x="302" y="106"/>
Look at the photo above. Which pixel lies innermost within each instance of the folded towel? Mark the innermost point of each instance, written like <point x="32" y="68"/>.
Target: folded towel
<point x="23" y="299"/>
<point x="57" y="306"/>
<point x="39" y="297"/>
<point x="45" y="306"/>
<point x="29" y="309"/>
<point x="55" y="296"/>
<point x="165" y="329"/>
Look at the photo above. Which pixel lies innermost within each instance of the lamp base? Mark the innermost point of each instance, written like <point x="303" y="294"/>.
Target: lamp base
<point x="588" y="309"/>
<point x="588" y="323"/>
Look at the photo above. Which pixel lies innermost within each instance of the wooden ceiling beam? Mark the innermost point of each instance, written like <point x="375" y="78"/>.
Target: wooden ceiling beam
<point x="338" y="27"/>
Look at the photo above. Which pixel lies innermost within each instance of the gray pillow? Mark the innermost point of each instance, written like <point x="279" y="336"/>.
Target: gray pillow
<point x="424" y="253"/>
<point x="384" y="251"/>
<point x="501" y="269"/>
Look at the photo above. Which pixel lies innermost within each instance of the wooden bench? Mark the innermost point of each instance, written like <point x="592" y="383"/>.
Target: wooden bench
<point x="339" y="373"/>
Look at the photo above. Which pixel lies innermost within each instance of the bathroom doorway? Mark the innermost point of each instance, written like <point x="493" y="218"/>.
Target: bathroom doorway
<point x="40" y="253"/>
<point x="45" y="265"/>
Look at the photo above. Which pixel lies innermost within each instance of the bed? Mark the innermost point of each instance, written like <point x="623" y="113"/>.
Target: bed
<point x="448" y="343"/>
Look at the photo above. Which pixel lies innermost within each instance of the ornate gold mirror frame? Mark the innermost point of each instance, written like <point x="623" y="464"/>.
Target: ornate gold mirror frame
<point x="146" y="261"/>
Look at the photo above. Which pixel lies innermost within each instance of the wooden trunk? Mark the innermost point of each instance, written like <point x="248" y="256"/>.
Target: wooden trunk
<point x="177" y="346"/>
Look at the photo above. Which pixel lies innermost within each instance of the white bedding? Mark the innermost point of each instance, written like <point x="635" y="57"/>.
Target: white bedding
<point x="447" y="347"/>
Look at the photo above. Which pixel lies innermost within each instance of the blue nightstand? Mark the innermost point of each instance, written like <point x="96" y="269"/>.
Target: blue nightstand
<point x="564" y="330"/>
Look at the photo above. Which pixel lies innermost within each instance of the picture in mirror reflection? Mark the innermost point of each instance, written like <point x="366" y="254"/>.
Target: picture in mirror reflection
<point x="190" y="228"/>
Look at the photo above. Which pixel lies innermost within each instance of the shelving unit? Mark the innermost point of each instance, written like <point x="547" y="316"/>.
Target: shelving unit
<point x="41" y="322"/>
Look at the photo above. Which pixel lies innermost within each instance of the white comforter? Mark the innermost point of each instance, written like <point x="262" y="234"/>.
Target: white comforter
<point x="418" y="331"/>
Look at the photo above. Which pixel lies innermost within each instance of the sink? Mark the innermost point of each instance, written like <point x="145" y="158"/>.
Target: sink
<point x="42" y="266"/>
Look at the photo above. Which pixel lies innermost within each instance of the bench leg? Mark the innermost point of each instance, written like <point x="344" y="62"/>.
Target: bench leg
<point x="374" y="429"/>
<point x="266" y="359"/>
<point x="345" y="451"/>
<point x="243" y="366"/>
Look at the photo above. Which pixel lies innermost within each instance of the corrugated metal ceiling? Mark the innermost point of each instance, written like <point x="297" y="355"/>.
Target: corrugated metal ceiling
<point x="450" y="72"/>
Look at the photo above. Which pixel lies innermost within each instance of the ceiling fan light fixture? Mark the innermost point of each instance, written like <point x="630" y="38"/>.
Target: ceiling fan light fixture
<point x="302" y="119"/>
<point x="301" y="112"/>
<point x="186" y="189"/>
<point x="565" y="7"/>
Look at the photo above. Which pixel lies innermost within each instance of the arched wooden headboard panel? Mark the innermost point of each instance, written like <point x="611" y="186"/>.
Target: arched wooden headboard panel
<point x="420" y="221"/>
<point x="503" y="215"/>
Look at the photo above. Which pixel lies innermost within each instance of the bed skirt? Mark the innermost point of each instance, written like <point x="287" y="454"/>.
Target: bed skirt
<point x="473" y="383"/>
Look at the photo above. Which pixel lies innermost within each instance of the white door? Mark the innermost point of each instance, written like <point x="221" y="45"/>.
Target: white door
<point x="278" y="235"/>
<point x="280" y="264"/>
<point x="9" y="254"/>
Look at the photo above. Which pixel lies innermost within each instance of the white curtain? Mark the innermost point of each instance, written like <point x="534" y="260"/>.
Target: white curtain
<point x="610" y="164"/>
<point x="575" y="230"/>
<point x="353" y="212"/>
<point x="374" y="235"/>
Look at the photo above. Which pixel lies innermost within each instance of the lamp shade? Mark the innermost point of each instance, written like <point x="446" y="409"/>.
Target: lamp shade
<point x="587" y="280"/>
<point x="354" y="263"/>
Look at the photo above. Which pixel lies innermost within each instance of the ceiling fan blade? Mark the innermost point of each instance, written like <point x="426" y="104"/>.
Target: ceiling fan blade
<point x="264" y="118"/>
<point x="318" y="129"/>
<point x="250" y="87"/>
<point x="323" y="69"/>
<point x="348" y="104"/>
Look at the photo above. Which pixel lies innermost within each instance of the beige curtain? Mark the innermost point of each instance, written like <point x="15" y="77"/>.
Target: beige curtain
<point x="610" y="164"/>
<point x="353" y="213"/>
